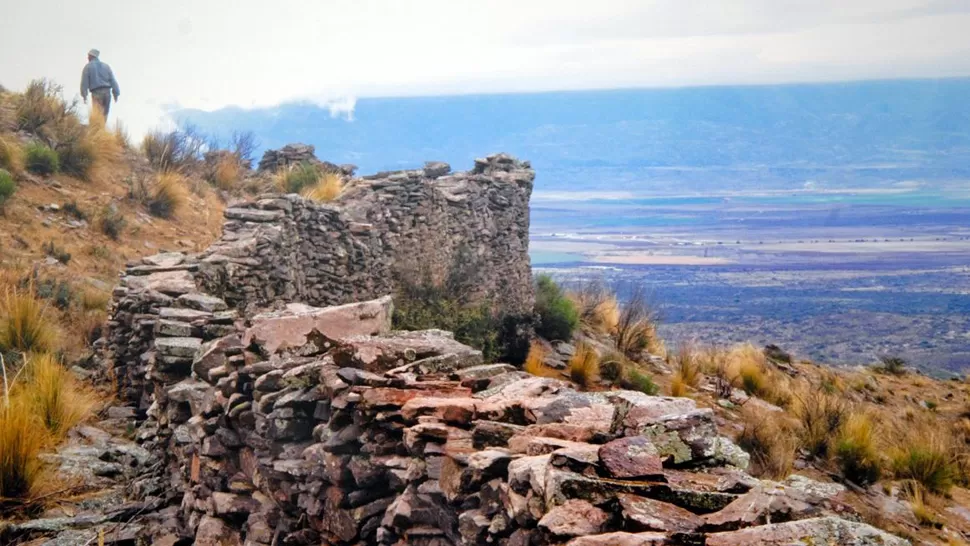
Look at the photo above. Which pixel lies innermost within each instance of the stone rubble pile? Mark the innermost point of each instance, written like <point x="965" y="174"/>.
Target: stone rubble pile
<point x="322" y="426"/>
<point x="295" y="154"/>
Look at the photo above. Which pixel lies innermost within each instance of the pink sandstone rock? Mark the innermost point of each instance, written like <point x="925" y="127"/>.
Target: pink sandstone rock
<point x="621" y="539"/>
<point x="573" y="518"/>
<point x="290" y="328"/>
<point x="631" y="457"/>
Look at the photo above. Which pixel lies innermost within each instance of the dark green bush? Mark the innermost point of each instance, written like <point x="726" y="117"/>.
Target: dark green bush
<point x="76" y="156"/>
<point x="72" y="209"/>
<point x="639" y="381"/>
<point x="558" y="316"/>
<point x="422" y="304"/>
<point x="7" y="187"/>
<point x="40" y="159"/>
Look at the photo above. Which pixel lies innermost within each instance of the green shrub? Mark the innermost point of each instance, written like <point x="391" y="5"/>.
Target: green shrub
<point x="41" y="160"/>
<point x="893" y="365"/>
<point x="558" y="316"/>
<point x="638" y="381"/>
<point x="298" y="177"/>
<point x="56" y="252"/>
<point x="112" y="222"/>
<point x="926" y="459"/>
<point x="77" y="156"/>
<point x="7" y="187"/>
<point x="72" y="209"/>
<point x="422" y="304"/>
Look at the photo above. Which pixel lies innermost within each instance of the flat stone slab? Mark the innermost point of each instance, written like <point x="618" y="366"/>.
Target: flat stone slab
<point x="276" y="331"/>
<point x="253" y="215"/>
<point x="172" y="283"/>
<point x="827" y="530"/>
<point x="202" y="302"/>
<point x="182" y="347"/>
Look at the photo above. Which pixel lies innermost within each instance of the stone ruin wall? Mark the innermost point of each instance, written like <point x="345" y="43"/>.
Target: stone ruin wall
<point x="384" y="227"/>
<point x="283" y="248"/>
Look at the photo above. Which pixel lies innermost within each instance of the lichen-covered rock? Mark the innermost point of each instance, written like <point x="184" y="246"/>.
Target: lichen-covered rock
<point x="827" y="530"/>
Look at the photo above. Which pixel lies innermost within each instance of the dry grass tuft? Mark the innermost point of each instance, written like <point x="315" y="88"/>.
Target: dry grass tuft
<point x="167" y="196"/>
<point x="770" y="439"/>
<point x="20" y="444"/>
<point x="924" y="455"/>
<point x="584" y="365"/>
<point x="856" y="450"/>
<point x="227" y="172"/>
<point x="24" y="324"/>
<point x="42" y="112"/>
<point x="535" y="361"/>
<point x="749" y="370"/>
<point x="821" y="417"/>
<point x="11" y="155"/>
<point x="636" y="329"/>
<point x="54" y="395"/>
<point x="918" y="500"/>
<point x="598" y="308"/>
<point x="687" y="370"/>
<point x="327" y="188"/>
<point x="296" y="178"/>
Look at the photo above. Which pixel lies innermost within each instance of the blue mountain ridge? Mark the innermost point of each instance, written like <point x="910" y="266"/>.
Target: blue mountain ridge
<point x="701" y="139"/>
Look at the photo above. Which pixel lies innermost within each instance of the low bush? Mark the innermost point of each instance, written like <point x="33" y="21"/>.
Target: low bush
<point x="856" y="451"/>
<point x="583" y="366"/>
<point x="77" y="155"/>
<point x="612" y="367"/>
<point x="24" y="324"/>
<point x="770" y="439"/>
<point x="636" y="329"/>
<point x="112" y="222"/>
<point x="421" y="303"/>
<point x="11" y="156"/>
<point x="42" y="112"/>
<point x="72" y="209"/>
<point x="327" y="188"/>
<point x="636" y="380"/>
<point x="179" y="150"/>
<point x="167" y="196"/>
<point x="7" y="188"/>
<point x="40" y="159"/>
<point x="893" y="365"/>
<point x="557" y="314"/>
<point x="56" y="252"/>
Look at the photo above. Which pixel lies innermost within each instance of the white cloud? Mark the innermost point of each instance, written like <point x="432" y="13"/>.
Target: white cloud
<point x="209" y="54"/>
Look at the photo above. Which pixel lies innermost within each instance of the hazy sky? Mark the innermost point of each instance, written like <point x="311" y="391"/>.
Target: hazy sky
<point x="212" y="53"/>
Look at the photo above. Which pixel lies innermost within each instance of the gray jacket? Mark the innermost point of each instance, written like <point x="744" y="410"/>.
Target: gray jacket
<point x="98" y="75"/>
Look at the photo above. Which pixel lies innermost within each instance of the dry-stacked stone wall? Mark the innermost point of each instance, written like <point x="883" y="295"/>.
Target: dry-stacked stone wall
<point x="322" y="426"/>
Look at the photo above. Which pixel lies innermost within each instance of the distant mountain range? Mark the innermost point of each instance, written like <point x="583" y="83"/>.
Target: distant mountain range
<point x="686" y="140"/>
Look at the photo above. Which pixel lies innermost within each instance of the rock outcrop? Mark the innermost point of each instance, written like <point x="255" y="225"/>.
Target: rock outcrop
<point x="362" y="435"/>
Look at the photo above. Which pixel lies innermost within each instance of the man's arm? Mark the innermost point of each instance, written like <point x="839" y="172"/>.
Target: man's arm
<point x="85" y="81"/>
<point x="115" y="90"/>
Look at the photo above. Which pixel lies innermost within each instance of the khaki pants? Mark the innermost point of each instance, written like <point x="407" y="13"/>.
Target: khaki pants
<point x="101" y="98"/>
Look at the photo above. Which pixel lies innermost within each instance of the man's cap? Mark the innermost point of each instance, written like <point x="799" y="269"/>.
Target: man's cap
<point x="94" y="53"/>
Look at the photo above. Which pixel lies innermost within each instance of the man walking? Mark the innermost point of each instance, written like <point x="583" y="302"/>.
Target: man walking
<point x="98" y="78"/>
